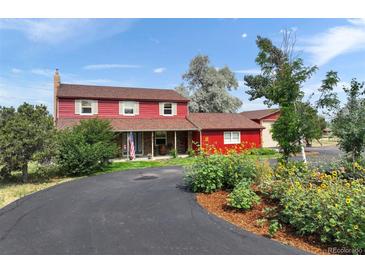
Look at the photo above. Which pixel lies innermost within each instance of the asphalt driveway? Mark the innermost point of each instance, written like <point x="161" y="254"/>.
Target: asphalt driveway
<point x="133" y="212"/>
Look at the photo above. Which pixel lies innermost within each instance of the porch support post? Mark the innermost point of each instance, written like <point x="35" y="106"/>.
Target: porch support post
<point x="152" y="143"/>
<point x="189" y="140"/>
<point x="175" y="142"/>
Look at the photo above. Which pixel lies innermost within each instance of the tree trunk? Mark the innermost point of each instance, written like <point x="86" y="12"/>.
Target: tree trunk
<point x="303" y="151"/>
<point x="25" y="173"/>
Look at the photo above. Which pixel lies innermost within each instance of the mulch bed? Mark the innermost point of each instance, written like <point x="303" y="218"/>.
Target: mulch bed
<point x="216" y="203"/>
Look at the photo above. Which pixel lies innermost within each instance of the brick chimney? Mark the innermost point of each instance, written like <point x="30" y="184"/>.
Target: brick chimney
<point x="56" y="87"/>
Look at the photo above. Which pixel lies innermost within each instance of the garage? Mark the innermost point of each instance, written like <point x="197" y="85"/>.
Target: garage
<point x="267" y="140"/>
<point x="266" y="118"/>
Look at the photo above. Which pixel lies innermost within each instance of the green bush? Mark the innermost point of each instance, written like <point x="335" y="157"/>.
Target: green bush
<point x="242" y="196"/>
<point x="86" y="148"/>
<point x="261" y="151"/>
<point x="173" y="153"/>
<point x="334" y="211"/>
<point x="206" y="174"/>
<point x="214" y="172"/>
<point x="238" y="167"/>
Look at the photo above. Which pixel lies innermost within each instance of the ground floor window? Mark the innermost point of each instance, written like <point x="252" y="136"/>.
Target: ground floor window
<point x="160" y="138"/>
<point x="232" y="137"/>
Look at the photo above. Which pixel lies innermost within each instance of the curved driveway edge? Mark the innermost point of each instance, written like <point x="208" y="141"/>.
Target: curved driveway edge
<point x="145" y="211"/>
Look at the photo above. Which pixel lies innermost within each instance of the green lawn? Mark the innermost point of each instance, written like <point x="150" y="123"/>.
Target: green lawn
<point x="120" y="166"/>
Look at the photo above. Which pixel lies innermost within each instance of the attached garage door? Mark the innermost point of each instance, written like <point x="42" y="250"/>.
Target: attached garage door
<point x="267" y="140"/>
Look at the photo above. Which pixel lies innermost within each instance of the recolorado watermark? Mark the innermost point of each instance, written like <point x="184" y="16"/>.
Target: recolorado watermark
<point x="344" y="250"/>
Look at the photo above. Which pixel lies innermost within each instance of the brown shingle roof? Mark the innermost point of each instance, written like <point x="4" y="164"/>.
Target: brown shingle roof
<point x="137" y="124"/>
<point x="259" y="114"/>
<point x="222" y="121"/>
<point x="106" y="92"/>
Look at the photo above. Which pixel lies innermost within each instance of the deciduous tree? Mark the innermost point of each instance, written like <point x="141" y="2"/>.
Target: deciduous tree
<point x="208" y="87"/>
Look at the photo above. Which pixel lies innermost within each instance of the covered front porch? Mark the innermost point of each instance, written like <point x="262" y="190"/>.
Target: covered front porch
<point x="150" y="144"/>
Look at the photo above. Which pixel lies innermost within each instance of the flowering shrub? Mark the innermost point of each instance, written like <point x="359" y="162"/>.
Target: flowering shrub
<point x="334" y="211"/>
<point x="242" y="196"/>
<point x="326" y="201"/>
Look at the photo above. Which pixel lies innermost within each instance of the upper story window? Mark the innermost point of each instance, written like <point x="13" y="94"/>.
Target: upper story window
<point x="168" y="109"/>
<point x="128" y="108"/>
<point x="86" y="107"/>
<point x="232" y="137"/>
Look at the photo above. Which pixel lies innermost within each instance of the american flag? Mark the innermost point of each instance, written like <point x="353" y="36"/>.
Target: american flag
<point x="132" y="153"/>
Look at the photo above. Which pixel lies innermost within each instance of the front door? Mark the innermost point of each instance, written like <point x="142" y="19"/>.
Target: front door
<point x="138" y="142"/>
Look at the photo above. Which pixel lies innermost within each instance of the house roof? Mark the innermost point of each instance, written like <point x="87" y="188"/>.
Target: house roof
<point x="106" y="92"/>
<point x="137" y="124"/>
<point x="222" y="121"/>
<point x="259" y="114"/>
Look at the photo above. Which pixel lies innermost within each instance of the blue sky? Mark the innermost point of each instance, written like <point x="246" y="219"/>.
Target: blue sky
<point x="156" y="52"/>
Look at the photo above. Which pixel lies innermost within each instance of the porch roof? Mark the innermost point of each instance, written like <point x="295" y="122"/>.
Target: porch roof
<point x="138" y="124"/>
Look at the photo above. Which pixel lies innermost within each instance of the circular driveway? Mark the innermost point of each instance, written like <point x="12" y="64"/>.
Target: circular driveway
<point x="144" y="211"/>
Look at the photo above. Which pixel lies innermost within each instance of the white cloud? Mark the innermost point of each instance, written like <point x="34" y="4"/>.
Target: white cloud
<point x="110" y="66"/>
<point x="244" y="35"/>
<point x="159" y="70"/>
<point x="248" y="71"/>
<point x="42" y="72"/>
<point x="16" y="71"/>
<point x="336" y="41"/>
<point x="53" y="31"/>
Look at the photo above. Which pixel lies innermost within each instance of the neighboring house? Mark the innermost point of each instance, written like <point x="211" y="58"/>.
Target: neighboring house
<point x="158" y="118"/>
<point x="265" y="118"/>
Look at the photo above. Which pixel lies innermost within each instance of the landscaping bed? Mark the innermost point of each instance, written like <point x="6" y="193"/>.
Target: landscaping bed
<point x="319" y="208"/>
<point x="216" y="203"/>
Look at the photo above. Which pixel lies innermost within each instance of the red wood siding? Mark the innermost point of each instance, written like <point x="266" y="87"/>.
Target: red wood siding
<point x="215" y="139"/>
<point x="110" y="109"/>
<point x="272" y="117"/>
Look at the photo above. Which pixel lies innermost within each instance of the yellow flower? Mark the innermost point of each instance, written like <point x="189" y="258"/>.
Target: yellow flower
<point x="356" y="227"/>
<point x="347" y="184"/>
<point x="336" y="205"/>
<point x="348" y="200"/>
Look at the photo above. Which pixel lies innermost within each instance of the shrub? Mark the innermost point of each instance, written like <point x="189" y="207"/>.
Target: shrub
<point x="242" y="196"/>
<point x="334" y="211"/>
<point x="173" y="153"/>
<point x="238" y="167"/>
<point x="274" y="227"/>
<point x="86" y="148"/>
<point x="260" y="151"/>
<point x="214" y="172"/>
<point x="205" y="174"/>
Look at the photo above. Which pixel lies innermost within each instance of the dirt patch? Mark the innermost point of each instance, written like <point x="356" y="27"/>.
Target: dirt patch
<point x="216" y="203"/>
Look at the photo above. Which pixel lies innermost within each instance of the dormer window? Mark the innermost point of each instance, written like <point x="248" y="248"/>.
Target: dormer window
<point x="128" y="108"/>
<point x="168" y="109"/>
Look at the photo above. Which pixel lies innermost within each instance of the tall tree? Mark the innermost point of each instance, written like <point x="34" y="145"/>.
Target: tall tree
<point x="349" y="121"/>
<point x="208" y="87"/>
<point x="280" y="83"/>
<point x="25" y="135"/>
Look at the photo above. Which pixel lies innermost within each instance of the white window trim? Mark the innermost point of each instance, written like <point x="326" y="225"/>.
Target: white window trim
<point x="122" y="108"/>
<point x="161" y="138"/>
<point x="92" y="110"/>
<point x="230" y="141"/>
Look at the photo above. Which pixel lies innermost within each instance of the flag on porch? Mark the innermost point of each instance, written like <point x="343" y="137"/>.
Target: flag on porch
<point x="132" y="153"/>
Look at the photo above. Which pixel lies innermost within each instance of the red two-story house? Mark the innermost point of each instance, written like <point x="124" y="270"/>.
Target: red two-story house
<point x="158" y="118"/>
